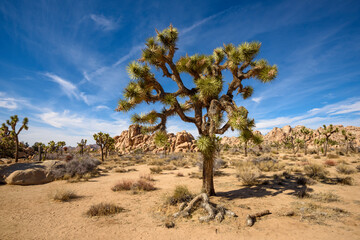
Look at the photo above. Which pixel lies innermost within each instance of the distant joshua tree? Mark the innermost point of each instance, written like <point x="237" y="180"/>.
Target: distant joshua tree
<point x="208" y="101"/>
<point x="293" y="142"/>
<point x="110" y="146"/>
<point x="348" y="139"/>
<point x="13" y="133"/>
<point x="307" y="136"/>
<point x="102" y="140"/>
<point x="247" y="135"/>
<point x="82" y="145"/>
<point x="327" y="132"/>
<point x="161" y="140"/>
<point x="60" y="146"/>
<point x="51" y="146"/>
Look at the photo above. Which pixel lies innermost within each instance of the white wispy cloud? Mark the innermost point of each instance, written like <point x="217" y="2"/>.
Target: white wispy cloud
<point x="68" y="88"/>
<point x="257" y="100"/>
<point x="101" y="107"/>
<point x="104" y="23"/>
<point x="8" y="102"/>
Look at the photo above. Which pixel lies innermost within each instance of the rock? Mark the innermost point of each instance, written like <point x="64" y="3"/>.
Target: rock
<point x="32" y="176"/>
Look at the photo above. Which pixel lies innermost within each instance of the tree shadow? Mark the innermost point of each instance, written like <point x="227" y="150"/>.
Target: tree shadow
<point x="270" y="186"/>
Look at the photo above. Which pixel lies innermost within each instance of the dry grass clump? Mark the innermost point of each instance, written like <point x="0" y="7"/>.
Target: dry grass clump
<point x="139" y="185"/>
<point x="156" y="161"/>
<point x="314" y="170"/>
<point x="248" y="173"/>
<point x="156" y="170"/>
<point x="358" y="168"/>
<point x="332" y="156"/>
<point x="330" y="163"/>
<point x="345" y="169"/>
<point x="270" y="166"/>
<point x="195" y="175"/>
<point x="317" y="157"/>
<point x="147" y="177"/>
<point x="64" y="195"/>
<point x="181" y="194"/>
<point x="104" y="209"/>
<point x="169" y="167"/>
<point x="325" y="197"/>
<point x="345" y="180"/>
<point x="179" y="174"/>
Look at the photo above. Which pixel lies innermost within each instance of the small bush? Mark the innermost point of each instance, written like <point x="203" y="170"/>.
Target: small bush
<point x="332" y="156"/>
<point x="344" y="169"/>
<point x="156" y="170"/>
<point x="63" y="195"/>
<point x="330" y="163"/>
<point x="315" y="171"/>
<point x="139" y="185"/>
<point x="104" y="209"/>
<point x="317" y="157"/>
<point x="147" y="177"/>
<point x="123" y="185"/>
<point x="325" y="197"/>
<point x="77" y="166"/>
<point x="180" y="194"/>
<point x="248" y="174"/>
<point x="345" y="181"/>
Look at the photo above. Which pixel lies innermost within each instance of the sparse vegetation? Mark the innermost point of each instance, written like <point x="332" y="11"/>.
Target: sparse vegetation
<point x="104" y="209"/>
<point x="139" y="185"/>
<point x="156" y="170"/>
<point x="325" y="197"/>
<point x="345" y="169"/>
<point x="314" y="170"/>
<point x="180" y="194"/>
<point x="248" y="173"/>
<point x="64" y="195"/>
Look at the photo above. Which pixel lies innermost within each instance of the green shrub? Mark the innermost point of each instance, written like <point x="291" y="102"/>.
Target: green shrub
<point x="315" y="171"/>
<point x="180" y="194"/>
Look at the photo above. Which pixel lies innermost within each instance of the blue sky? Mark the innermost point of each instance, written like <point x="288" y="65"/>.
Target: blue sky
<point x="63" y="63"/>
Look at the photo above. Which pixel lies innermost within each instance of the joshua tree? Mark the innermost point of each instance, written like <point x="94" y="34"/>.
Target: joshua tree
<point x="327" y="132"/>
<point x="293" y="142"/>
<point x="276" y="144"/>
<point x="102" y="140"/>
<point x="110" y="146"/>
<point x="15" y="134"/>
<point x="161" y="140"/>
<point x="247" y="135"/>
<point x="7" y="144"/>
<point x="208" y="101"/>
<point x="51" y="147"/>
<point x="307" y="136"/>
<point x="82" y="145"/>
<point x="60" y="146"/>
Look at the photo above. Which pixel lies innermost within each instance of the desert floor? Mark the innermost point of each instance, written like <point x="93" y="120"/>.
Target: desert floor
<point x="28" y="212"/>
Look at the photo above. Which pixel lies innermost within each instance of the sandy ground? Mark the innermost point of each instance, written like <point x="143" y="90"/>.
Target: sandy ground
<point x="28" y="212"/>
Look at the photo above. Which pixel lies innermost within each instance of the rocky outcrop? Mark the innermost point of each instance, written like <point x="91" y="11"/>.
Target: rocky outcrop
<point x="131" y="140"/>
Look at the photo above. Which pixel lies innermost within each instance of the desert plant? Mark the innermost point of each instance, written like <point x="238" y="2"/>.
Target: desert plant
<point x="248" y="173"/>
<point x="180" y="194"/>
<point x="348" y="139"/>
<point x="330" y="163"/>
<point x="247" y="135"/>
<point x="139" y="185"/>
<point x="306" y="137"/>
<point x="314" y="170"/>
<point x="102" y="140"/>
<point x="325" y="197"/>
<point x="82" y="145"/>
<point x="60" y="145"/>
<point x="74" y="167"/>
<point x="64" y="195"/>
<point x="13" y="133"/>
<point x="156" y="170"/>
<point x="327" y="132"/>
<point x="147" y="177"/>
<point x="345" y="180"/>
<point x="161" y="140"/>
<point x="207" y="75"/>
<point x="104" y="209"/>
<point x="345" y="169"/>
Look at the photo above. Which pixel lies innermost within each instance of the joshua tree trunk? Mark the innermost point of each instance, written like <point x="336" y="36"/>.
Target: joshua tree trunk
<point x="245" y="148"/>
<point x="305" y="148"/>
<point x="16" y="148"/>
<point x="102" y="153"/>
<point x="325" y="147"/>
<point x="208" y="174"/>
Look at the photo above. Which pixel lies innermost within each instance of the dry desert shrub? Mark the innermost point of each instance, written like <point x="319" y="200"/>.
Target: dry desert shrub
<point x="345" y="169"/>
<point x="332" y="156"/>
<point x="358" y="168"/>
<point x="314" y="170"/>
<point x="147" y="177"/>
<point x="63" y="195"/>
<point x="248" y="173"/>
<point x="270" y="166"/>
<point x="325" y="197"/>
<point x="78" y="166"/>
<point x="139" y="185"/>
<point x="345" y="180"/>
<point x="179" y="174"/>
<point x="330" y="163"/>
<point x="317" y="157"/>
<point x="181" y="194"/>
<point x="156" y="170"/>
<point x="104" y="209"/>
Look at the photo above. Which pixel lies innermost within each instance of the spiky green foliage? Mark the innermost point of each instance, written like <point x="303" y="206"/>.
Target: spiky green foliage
<point x="212" y="110"/>
<point x="161" y="140"/>
<point x="348" y="139"/>
<point x="327" y="131"/>
<point x="12" y="133"/>
<point x="82" y="145"/>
